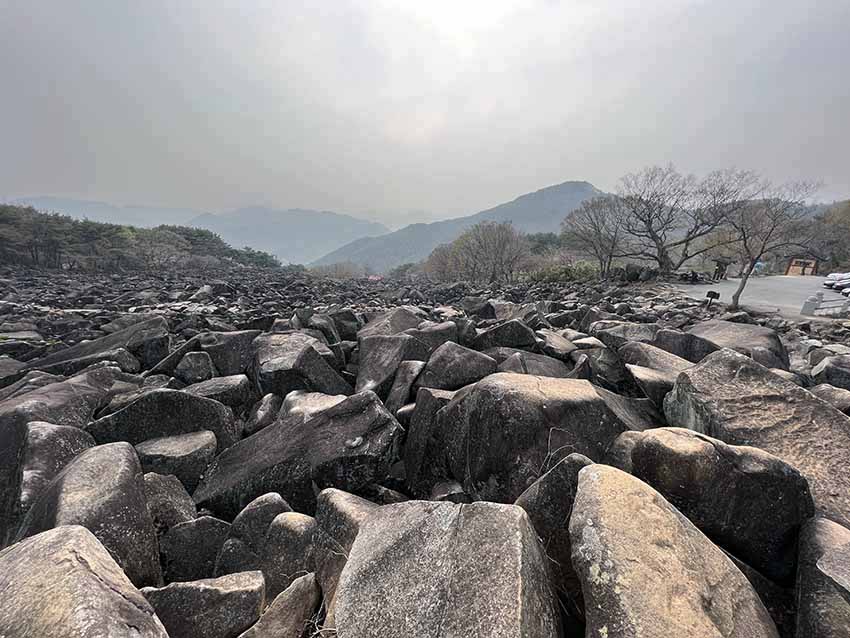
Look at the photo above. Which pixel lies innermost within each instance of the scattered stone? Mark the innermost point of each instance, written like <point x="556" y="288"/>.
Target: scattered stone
<point x="508" y="429"/>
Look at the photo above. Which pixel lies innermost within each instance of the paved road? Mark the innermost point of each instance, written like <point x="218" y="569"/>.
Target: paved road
<point x="781" y="294"/>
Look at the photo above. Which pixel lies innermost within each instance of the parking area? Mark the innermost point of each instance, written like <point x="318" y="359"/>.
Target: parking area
<point x="782" y="294"/>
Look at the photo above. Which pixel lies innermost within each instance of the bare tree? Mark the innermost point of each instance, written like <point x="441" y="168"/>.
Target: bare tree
<point x="775" y="221"/>
<point x="669" y="217"/>
<point x="596" y="229"/>
<point x="487" y="252"/>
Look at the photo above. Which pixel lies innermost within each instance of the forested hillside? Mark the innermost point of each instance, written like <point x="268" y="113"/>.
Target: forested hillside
<point x="51" y="240"/>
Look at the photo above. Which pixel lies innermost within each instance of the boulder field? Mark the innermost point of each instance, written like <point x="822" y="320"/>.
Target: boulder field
<point x="291" y="457"/>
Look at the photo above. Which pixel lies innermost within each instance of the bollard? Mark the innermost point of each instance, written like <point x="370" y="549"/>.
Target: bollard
<point x="811" y="304"/>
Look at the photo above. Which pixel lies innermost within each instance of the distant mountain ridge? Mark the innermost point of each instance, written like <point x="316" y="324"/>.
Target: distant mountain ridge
<point x="295" y="235"/>
<point x="538" y="212"/>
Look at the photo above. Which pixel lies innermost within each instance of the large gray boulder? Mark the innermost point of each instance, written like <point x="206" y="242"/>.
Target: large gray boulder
<point x="761" y="344"/>
<point x="822" y="610"/>
<point x="647" y="571"/>
<point x="617" y="333"/>
<point x="291" y="361"/>
<point x="390" y="323"/>
<point x="49" y="448"/>
<point x="535" y="364"/>
<point x="348" y="445"/>
<point x="747" y="501"/>
<point x="435" y="334"/>
<point x="451" y="366"/>
<point x="512" y="334"/>
<point x="405" y="377"/>
<point x="839" y="398"/>
<point x="425" y="442"/>
<point x="103" y="490"/>
<point x="234" y="390"/>
<point x="230" y="352"/>
<point x="147" y="341"/>
<point x="195" y="367"/>
<point x="221" y="607"/>
<point x="63" y="583"/>
<point x="380" y="357"/>
<point x="732" y="398"/>
<point x="508" y="429"/>
<point x="162" y="413"/>
<point x="418" y="568"/>
<point x="684" y="344"/>
<point x="68" y="402"/>
<point x="303" y="405"/>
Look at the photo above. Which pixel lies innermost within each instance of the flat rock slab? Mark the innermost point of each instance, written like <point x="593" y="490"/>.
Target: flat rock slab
<point x="348" y="445"/>
<point x="759" y="343"/>
<point x="63" y="583"/>
<point x="185" y="456"/>
<point x="210" y="608"/>
<point x="439" y="569"/>
<point x="732" y="398"/>
<point x="162" y="413"/>
<point x="647" y="571"/>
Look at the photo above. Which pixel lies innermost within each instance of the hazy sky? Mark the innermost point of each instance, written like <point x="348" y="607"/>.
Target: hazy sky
<point x="443" y="105"/>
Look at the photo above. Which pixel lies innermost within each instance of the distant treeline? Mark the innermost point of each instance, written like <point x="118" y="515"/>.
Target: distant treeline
<point x="50" y="240"/>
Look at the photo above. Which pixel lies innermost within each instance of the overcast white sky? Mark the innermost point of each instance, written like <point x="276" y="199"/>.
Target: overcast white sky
<point x="449" y="106"/>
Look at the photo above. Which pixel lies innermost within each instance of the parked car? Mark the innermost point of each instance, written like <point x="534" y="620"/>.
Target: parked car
<point x="834" y="277"/>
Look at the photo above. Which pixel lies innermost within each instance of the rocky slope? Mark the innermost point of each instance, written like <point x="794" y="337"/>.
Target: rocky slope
<point x="539" y="212"/>
<point x="260" y="455"/>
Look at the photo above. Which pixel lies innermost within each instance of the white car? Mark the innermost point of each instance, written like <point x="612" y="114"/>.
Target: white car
<point x="840" y="284"/>
<point x="834" y="277"/>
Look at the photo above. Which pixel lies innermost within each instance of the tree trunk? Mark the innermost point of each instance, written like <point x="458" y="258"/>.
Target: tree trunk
<point x="745" y="277"/>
